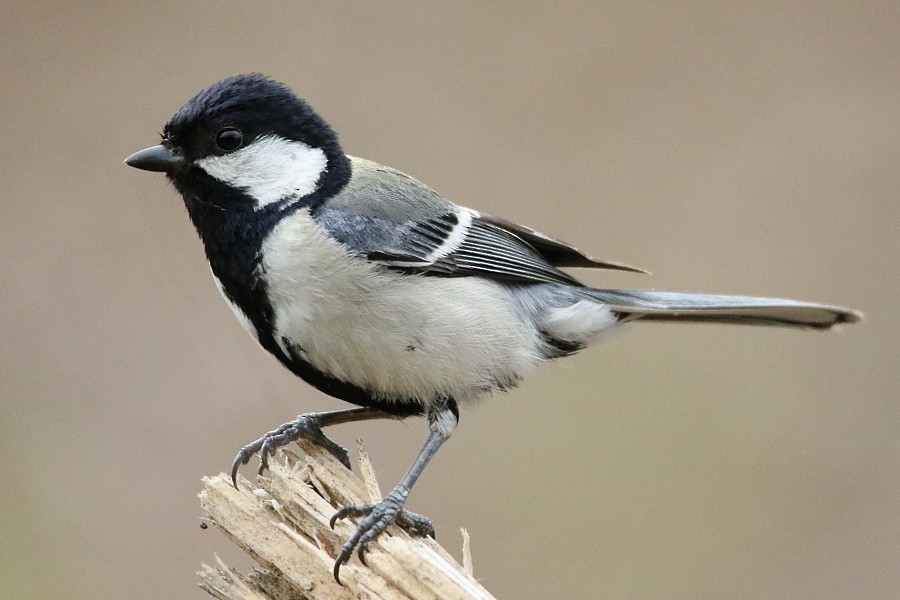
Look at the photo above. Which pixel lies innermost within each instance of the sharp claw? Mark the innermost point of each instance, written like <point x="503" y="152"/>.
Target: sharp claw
<point x="264" y="453"/>
<point x="242" y="458"/>
<point x="350" y="511"/>
<point x="234" y="471"/>
<point x="337" y="571"/>
<point x="361" y="553"/>
<point x="344" y="555"/>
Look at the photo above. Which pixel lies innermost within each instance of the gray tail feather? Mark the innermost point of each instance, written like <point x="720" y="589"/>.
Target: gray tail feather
<point x="713" y="308"/>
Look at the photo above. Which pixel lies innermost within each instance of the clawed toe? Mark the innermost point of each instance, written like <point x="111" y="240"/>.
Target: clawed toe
<point x="303" y="427"/>
<point x="242" y="458"/>
<point x="377" y="518"/>
<point x="415" y="524"/>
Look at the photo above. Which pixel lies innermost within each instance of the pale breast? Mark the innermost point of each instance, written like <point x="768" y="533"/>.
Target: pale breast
<point x="403" y="336"/>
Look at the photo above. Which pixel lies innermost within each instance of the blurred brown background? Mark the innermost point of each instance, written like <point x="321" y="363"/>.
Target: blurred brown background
<point x="734" y="149"/>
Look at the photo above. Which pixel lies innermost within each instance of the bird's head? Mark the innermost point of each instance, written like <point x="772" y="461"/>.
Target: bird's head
<point x="246" y="143"/>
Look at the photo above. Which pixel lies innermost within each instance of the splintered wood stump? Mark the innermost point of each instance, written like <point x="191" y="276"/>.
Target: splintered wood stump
<point x="281" y="521"/>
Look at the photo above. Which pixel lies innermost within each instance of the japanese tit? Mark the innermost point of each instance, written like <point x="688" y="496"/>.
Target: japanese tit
<point x="377" y="290"/>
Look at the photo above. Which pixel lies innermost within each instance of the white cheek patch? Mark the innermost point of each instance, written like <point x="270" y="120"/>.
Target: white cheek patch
<point x="269" y="169"/>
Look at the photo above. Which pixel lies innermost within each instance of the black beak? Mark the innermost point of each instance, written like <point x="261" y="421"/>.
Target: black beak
<point x="155" y="158"/>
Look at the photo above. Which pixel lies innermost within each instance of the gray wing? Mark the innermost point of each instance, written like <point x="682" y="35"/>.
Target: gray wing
<point x="394" y="220"/>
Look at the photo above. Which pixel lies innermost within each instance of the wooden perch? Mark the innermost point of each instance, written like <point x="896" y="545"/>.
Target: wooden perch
<point x="281" y="521"/>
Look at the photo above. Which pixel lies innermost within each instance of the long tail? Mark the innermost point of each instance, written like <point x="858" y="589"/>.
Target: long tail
<point x="713" y="308"/>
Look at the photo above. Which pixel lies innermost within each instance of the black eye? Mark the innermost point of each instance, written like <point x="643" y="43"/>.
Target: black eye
<point x="229" y="139"/>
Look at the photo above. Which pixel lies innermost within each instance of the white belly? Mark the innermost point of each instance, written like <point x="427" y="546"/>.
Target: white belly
<point x="400" y="336"/>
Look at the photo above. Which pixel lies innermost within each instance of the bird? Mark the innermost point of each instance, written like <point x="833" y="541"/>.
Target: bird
<point x="377" y="290"/>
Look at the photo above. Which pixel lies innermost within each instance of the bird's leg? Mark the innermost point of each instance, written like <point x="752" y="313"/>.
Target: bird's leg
<point x="308" y="426"/>
<point x="442" y="420"/>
